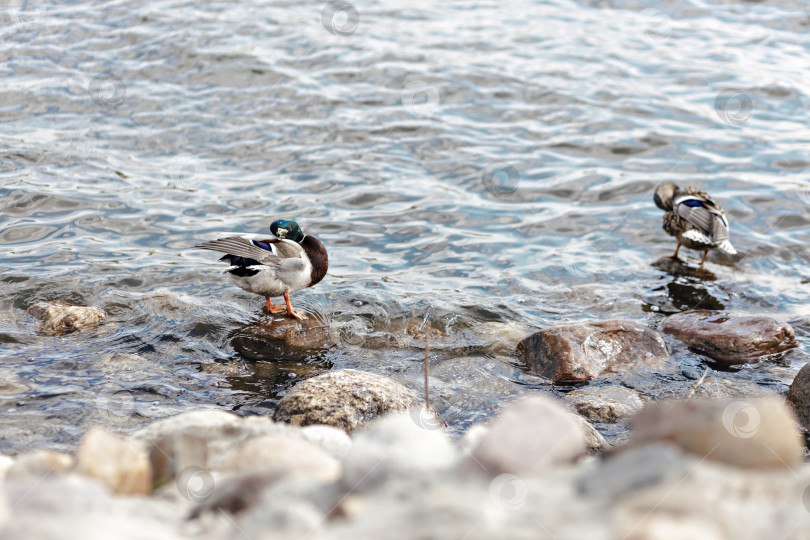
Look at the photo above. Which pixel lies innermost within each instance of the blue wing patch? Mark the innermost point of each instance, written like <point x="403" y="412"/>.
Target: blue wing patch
<point x="692" y="203"/>
<point x="263" y="245"/>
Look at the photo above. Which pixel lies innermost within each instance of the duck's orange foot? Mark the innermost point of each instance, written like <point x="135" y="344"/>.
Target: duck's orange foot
<point x="273" y="309"/>
<point x="297" y="315"/>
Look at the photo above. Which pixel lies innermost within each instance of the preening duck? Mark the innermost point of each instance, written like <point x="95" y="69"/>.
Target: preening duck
<point x="275" y="266"/>
<point x="694" y="218"/>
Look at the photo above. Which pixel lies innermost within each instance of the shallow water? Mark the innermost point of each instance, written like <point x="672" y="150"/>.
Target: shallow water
<point x="478" y="170"/>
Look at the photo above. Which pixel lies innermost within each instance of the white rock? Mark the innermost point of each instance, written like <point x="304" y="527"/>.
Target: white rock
<point x="285" y="455"/>
<point x="396" y="446"/>
<point x="335" y="441"/>
<point x="39" y="464"/>
<point x="530" y="436"/>
<point x="121" y="464"/>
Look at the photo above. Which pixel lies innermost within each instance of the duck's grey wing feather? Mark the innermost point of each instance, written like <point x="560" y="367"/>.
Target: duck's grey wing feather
<point x="699" y="216"/>
<point x="244" y="247"/>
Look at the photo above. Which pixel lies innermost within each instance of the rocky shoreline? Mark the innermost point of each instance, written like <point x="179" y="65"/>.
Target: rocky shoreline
<point x="353" y="454"/>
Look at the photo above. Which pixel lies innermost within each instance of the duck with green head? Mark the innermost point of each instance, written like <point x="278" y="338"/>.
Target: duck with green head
<point x="274" y="266"/>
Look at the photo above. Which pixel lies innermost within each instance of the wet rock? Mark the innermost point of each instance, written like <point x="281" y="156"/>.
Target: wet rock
<point x="281" y="337"/>
<point x="582" y="352"/>
<point x="730" y="339"/>
<point x="604" y="403"/>
<point x="798" y="396"/>
<point x="346" y="399"/>
<point x="284" y="455"/>
<point x="530" y="436"/>
<point x="396" y="447"/>
<point x="121" y="464"/>
<point x="170" y="455"/>
<point x="758" y="432"/>
<point x="594" y="441"/>
<point x="38" y="465"/>
<point x="58" y="317"/>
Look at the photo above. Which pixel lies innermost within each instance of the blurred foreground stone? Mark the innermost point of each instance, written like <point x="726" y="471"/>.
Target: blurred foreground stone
<point x="582" y="352"/>
<point x="348" y="399"/>
<point x="58" y="317"/>
<point x="758" y="432"/>
<point x="730" y="339"/>
<point x="121" y="464"/>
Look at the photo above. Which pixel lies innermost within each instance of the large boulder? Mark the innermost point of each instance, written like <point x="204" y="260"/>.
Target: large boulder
<point x="755" y="433"/>
<point x="730" y="339"/>
<point x="581" y="352"/>
<point x="58" y="317"/>
<point x="349" y="399"/>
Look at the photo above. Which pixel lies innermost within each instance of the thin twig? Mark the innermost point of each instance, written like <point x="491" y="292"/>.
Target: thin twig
<point x="700" y="381"/>
<point x="427" y="369"/>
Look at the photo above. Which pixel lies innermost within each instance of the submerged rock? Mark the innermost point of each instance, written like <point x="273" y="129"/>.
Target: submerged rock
<point x="798" y="396"/>
<point x="582" y="352"/>
<point x="529" y="437"/>
<point x="58" y="317"/>
<point x="604" y="403"/>
<point x="758" y="432"/>
<point x="279" y="337"/>
<point x="346" y="399"/>
<point x="594" y="440"/>
<point x="121" y="464"/>
<point x="730" y="339"/>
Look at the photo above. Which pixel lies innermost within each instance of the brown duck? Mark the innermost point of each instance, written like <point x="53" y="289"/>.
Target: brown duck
<point x="694" y="219"/>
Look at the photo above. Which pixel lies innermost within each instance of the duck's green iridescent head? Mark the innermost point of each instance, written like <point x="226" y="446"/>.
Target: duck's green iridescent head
<point x="288" y="230"/>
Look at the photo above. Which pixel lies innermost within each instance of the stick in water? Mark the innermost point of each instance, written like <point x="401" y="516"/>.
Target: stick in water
<point x="427" y="369"/>
<point x="700" y="381"/>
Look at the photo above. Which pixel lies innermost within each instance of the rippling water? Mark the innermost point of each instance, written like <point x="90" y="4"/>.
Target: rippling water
<point x="477" y="170"/>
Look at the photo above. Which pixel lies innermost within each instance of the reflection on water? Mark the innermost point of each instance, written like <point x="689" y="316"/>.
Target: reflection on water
<point x="474" y="175"/>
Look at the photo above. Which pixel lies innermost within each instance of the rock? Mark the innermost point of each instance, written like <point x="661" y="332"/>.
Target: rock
<point x="346" y="399"/>
<point x="5" y="464"/>
<point x="121" y="464"/>
<point x="172" y="454"/>
<point x="635" y="469"/>
<point x="333" y="440"/>
<point x="220" y="430"/>
<point x="798" y="396"/>
<point x="758" y="432"/>
<point x="582" y="352"/>
<point x="730" y="339"/>
<point x="530" y="436"/>
<point x="594" y="441"/>
<point x="285" y="455"/>
<point x="396" y="447"/>
<point x="283" y="338"/>
<point x="604" y="403"/>
<point x="58" y="317"/>
<point x="39" y="464"/>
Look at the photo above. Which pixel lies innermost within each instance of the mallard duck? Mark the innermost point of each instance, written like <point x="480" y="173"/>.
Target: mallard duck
<point x="693" y="218"/>
<point x="278" y="266"/>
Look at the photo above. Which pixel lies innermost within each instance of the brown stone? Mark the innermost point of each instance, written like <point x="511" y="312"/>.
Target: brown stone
<point x="58" y="317"/>
<point x="582" y="352"/>
<point x="753" y="433"/>
<point x="798" y="395"/>
<point x="280" y="337"/>
<point x="730" y="339"/>
<point x="346" y="399"/>
<point x="121" y="464"/>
